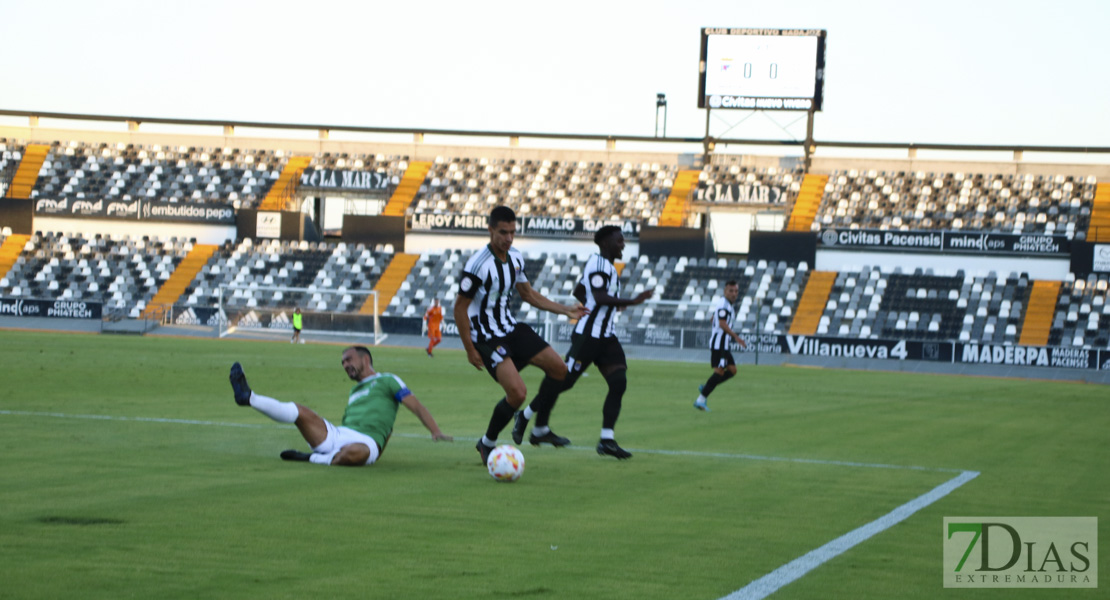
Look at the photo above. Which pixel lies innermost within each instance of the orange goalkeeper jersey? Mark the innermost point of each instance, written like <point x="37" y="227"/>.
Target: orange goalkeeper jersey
<point x="434" y="316"/>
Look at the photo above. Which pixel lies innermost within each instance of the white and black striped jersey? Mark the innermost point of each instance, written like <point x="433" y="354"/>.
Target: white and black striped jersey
<point x="718" y="338"/>
<point x="599" y="275"/>
<point x="490" y="284"/>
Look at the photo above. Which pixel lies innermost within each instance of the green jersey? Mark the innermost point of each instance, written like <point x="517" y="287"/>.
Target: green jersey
<point x="372" y="406"/>
<point x="297" y="320"/>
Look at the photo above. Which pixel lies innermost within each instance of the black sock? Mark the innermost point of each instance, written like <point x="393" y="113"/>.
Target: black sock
<point x="711" y="384"/>
<point x="502" y="414"/>
<point x="612" y="407"/>
<point x="545" y="399"/>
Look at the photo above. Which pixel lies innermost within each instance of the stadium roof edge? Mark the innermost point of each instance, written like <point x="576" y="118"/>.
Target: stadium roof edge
<point x="556" y="136"/>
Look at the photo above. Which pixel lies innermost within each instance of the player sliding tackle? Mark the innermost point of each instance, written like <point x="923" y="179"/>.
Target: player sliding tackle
<point x="367" y="422"/>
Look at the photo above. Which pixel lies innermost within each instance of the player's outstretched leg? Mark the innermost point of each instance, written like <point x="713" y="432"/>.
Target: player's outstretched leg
<point x="282" y="412"/>
<point x="239" y="385"/>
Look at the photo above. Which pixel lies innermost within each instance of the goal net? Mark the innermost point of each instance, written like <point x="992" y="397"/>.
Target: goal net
<point x="267" y="312"/>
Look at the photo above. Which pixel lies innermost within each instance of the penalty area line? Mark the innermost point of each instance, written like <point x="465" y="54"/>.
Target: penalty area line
<point x="799" y="567"/>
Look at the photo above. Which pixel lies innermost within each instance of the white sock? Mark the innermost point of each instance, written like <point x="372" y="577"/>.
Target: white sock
<point x="282" y="412"/>
<point x="540" y="431"/>
<point x="321" y="459"/>
<point x="488" y="443"/>
<point x="529" y="413"/>
<point x="701" y="399"/>
<point x="607" y="434"/>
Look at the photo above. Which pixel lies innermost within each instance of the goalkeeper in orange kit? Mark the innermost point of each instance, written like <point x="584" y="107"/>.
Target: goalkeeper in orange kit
<point x="433" y="317"/>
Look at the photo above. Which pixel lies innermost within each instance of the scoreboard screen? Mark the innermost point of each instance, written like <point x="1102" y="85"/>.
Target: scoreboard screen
<point x="761" y="69"/>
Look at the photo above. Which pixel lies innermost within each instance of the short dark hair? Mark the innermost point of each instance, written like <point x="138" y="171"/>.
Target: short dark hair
<point x="604" y="233"/>
<point x="363" y="350"/>
<point x="731" y="282"/>
<point x="501" y="214"/>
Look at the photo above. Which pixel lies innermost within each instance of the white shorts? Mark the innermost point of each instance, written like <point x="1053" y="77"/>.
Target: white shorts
<point x="338" y="437"/>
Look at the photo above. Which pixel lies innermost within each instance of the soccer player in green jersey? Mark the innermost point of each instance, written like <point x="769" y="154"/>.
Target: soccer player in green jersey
<point x="367" y="422"/>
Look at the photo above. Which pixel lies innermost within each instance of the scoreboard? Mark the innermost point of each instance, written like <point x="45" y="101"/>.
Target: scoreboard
<point x="761" y="69"/>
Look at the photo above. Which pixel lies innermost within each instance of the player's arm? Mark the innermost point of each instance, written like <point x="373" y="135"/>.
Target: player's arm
<point x="723" y="324"/>
<point x="413" y="404"/>
<point x="603" y="298"/>
<point x="462" y="321"/>
<point x="533" y="297"/>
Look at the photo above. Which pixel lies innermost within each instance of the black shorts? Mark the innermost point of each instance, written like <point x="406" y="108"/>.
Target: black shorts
<point x="721" y="359"/>
<point x="521" y="345"/>
<point x="586" y="350"/>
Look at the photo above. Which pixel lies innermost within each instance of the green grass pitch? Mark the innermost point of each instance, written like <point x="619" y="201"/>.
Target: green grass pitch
<point x="129" y="472"/>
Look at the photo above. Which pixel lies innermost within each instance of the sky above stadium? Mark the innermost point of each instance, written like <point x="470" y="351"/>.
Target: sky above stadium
<point x="938" y="71"/>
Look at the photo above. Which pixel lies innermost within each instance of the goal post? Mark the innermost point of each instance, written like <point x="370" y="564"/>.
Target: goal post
<point x="267" y="312"/>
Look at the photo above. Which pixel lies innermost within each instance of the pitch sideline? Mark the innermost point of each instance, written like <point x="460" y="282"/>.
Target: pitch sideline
<point x="799" y="567"/>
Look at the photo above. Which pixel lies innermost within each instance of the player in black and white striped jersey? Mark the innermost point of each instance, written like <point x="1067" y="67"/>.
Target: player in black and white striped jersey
<point x="720" y="338"/>
<point x="491" y="335"/>
<point x="595" y="341"/>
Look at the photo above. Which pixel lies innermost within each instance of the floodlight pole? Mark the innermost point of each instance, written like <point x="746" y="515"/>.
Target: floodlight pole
<point x="809" y="148"/>
<point x="707" y="143"/>
<point x="660" y="105"/>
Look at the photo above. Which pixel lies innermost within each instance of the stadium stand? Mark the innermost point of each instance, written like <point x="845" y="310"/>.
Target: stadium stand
<point x="864" y="302"/>
<point x="584" y="189"/>
<point x="349" y="267"/>
<point x="267" y="264"/>
<point x="1082" y="315"/>
<point x="10" y="158"/>
<point x="853" y="199"/>
<point x="432" y="274"/>
<point x="393" y="165"/>
<point x="777" y="297"/>
<point x="923" y="305"/>
<point x="729" y="170"/>
<point x="81" y="170"/>
<point x="124" y="274"/>
<point x="957" y="201"/>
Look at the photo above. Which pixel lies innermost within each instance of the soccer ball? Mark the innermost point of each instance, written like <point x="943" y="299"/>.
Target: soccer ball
<point x="505" y="463"/>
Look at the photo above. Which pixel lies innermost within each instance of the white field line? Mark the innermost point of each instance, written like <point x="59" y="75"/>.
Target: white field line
<point x="799" y="567"/>
<point x="692" y="453"/>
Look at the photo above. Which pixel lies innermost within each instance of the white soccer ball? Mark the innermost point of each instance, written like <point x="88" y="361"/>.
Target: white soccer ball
<point x="505" y="463"/>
